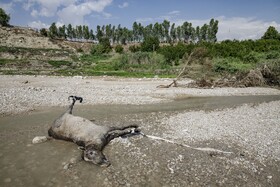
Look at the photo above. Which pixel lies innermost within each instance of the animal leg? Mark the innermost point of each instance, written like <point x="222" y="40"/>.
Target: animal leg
<point x="122" y="128"/>
<point x="74" y="99"/>
<point x="111" y="135"/>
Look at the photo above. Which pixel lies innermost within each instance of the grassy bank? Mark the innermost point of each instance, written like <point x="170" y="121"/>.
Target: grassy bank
<point x="209" y="61"/>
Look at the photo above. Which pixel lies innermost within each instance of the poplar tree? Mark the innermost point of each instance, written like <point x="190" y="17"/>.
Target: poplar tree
<point x="166" y="25"/>
<point x="173" y="32"/>
<point x="69" y="30"/>
<point x="4" y="18"/>
<point x="53" y="33"/>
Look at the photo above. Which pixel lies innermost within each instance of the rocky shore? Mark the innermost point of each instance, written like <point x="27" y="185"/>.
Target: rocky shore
<point x="26" y="93"/>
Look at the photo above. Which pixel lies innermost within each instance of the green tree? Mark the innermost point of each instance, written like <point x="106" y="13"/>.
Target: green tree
<point x="99" y="33"/>
<point x="4" y="18"/>
<point x="53" y="32"/>
<point x="197" y="33"/>
<point x="203" y="32"/>
<point x="148" y="32"/>
<point x="187" y="31"/>
<point x="86" y="34"/>
<point x="135" y="31"/>
<point x="166" y="25"/>
<point x="61" y="32"/>
<point x="173" y="32"/>
<point x="108" y="29"/>
<point x="140" y="32"/>
<point x="179" y="33"/>
<point x="91" y="35"/>
<point x="271" y="33"/>
<point x="69" y="30"/>
<point x="79" y="30"/>
<point x="212" y="30"/>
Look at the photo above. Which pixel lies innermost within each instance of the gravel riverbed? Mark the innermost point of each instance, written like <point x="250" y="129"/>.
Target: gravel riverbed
<point x="27" y="93"/>
<point x="250" y="131"/>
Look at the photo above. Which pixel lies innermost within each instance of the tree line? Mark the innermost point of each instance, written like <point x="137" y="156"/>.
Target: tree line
<point x="164" y="32"/>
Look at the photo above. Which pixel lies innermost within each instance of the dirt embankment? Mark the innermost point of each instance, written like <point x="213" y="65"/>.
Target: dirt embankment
<point x="24" y="37"/>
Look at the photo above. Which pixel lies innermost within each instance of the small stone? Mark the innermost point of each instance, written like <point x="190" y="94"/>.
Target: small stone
<point x="269" y="177"/>
<point x="66" y="166"/>
<point x="39" y="139"/>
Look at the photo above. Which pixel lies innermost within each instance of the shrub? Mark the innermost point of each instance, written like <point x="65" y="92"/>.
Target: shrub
<point x="80" y="50"/>
<point x="97" y="49"/>
<point x="101" y="48"/>
<point x="44" y="32"/>
<point x="140" y="59"/>
<point x="273" y="55"/>
<point x="150" y="44"/>
<point x="251" y="57"/>
<point x="230" y="65"/>
<point x="174" y="53"/>
<point x="134" y="48"/>
<point x="119" y="49"/>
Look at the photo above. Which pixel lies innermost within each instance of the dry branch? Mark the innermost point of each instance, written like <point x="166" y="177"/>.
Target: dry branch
<point x="174" y="82"/>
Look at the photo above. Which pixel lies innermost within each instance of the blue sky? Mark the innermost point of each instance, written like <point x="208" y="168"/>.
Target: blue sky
<point x="238" y="19"/>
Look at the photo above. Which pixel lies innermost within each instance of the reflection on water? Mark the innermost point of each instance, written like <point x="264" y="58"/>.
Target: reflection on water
<point x="24" y="164"/>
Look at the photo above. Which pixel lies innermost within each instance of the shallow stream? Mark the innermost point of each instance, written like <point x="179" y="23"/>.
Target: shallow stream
<point x="47" y="164"/>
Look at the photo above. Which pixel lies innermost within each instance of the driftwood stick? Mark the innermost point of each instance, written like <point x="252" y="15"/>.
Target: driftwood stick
<point x="179" y="75"/>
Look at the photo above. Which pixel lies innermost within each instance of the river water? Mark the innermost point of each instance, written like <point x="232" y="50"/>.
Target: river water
<point x="51" y="163"/>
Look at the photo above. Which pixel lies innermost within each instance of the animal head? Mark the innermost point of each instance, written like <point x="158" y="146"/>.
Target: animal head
<point x="91" y="154"/>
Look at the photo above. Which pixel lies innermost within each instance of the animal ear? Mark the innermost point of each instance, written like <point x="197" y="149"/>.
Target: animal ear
<point x="82" y="148"/>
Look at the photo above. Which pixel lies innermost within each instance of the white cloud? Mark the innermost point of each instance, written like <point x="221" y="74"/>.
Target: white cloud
<point x="175" y="12"/>
<point x="8" y="7"/>
<point x="68" y="11"/>
<point x="74" y="14"/>
<point x="38" y="25"/>
<point x="34" y="13"/>
<point x="124" y="5"/>
<point x="243" y="28"/>
<point x="47" y="8"/>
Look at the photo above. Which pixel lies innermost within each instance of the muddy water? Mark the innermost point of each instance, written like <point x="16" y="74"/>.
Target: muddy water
<point x="135" y="161"/>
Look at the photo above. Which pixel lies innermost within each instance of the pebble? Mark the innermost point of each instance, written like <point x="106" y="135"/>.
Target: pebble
<point x="39" y="139"/>
<point x="66" y="166"/>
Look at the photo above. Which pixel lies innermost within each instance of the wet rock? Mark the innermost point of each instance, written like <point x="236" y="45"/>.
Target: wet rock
<point x="39" y="139"/>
